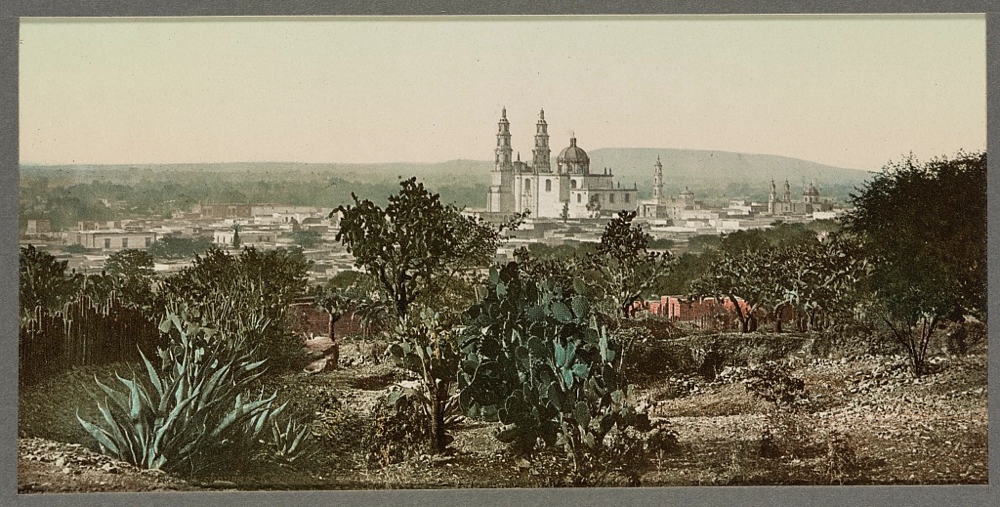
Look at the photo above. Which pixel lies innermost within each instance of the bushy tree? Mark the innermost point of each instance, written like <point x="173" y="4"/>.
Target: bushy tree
<point x="43" y="281"/>
<point x="176" y="247"/>
<point x="627" y="268"/>
<point x="415" y="243"/>
<point x="132" y="274"/>
<point x="306" y="238"/>
<point x="261" y="284"/>
<point x="746" y="268"/>
<point x="923" y="226"/>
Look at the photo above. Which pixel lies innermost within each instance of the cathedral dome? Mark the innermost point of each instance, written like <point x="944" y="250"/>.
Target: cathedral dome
<point x="573" y="154"/>
<point x="812" y="191"/>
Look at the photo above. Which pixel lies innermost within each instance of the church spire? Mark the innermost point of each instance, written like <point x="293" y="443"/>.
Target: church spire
<point x="503" y="150"/>
<point x="541" y="154"/>
<point x="658" y="181"/>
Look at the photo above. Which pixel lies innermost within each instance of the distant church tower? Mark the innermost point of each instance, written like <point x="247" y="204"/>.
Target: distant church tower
<point x="501" y="196"/>
<point x="503" y="151"/>
<point x="658" y="181"/>
<point x="772" y="197"/>
<point x="788" y="193"/>
<point x="540" y="155"/>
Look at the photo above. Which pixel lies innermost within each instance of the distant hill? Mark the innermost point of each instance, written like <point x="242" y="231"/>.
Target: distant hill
<point x="702" y="167"/>
<point x="707" y="173"/>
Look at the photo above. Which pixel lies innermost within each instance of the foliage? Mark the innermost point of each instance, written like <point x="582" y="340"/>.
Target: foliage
<point x="923" y="226"/>
<point x="425" y="345"/>
<point x="306" y="238"/>
<point x="176" y="247"/>
<point x="236" y="290"/>
<point x="627" y="268"/>
<point x="747" y="269"/>
<point x="398" y="430"/>
<point x="131" y="272"/>
<point x="43" y="281"/>
<point x="783" y="432"/>
<point x="822" y="276"/>
<point x="195" y="411"/>
<point x="533" y="361"/>
<point x="414" y="243"/>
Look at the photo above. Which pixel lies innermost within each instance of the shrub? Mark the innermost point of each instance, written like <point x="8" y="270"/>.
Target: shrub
<point x="534" y="361"/>
<point x="841" y="458"/>
<point x="783" y="433"/>
<point x="425" y="346"/>
<point x="230" y="290"/>
<point x="195" y="412"/>
<point x="399" y="429"/>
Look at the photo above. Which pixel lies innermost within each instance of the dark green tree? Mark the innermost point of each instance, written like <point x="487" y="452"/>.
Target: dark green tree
<point x="626" y="267"/>
<point x="414" y="243"/>
<point x="43" y="281"/>
<point x="306" y="238"/>
<point x="251" y="289"/>
<point x="176" y="247"/>
<point x="923" y="227"/>
<point x="132" y="275"/>
<point x="745" y="268"/>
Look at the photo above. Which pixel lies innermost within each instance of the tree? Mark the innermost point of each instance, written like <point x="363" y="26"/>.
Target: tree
<point x="414" y="243"/>
<point x="236" y="235"/>
<point x="307" y="238"/>
<point x="175" y="247"/>
<point x="923" y="227"/>
<point x="626" y="266"/>
<point x="250" y="290"/>
<point x="746" y="270"/>
<point x="43" y="281"/>
<point x="823" y="277"/>
<point x="533" y="361"/>
<point x="132" y="274"/>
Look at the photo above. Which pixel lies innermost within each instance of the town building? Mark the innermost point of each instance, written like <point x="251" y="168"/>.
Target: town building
<point x="567" y="190"/>
<point x="662" y="207"/>
<point x="783" y="205"/>
<point x="111" y="239"/>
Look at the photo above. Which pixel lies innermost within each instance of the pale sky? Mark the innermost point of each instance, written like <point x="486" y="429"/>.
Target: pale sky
<point x="849" y="91"/>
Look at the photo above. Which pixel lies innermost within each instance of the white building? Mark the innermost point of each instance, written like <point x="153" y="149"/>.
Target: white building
<point x="567" y="191"/>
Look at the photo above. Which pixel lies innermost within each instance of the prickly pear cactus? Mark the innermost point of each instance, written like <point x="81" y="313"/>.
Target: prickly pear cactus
<point x="534" y="360"/>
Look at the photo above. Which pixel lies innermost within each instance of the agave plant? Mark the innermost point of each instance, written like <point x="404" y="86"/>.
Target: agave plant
<point x="290" y="439"/>
<point x="192" y="413"/>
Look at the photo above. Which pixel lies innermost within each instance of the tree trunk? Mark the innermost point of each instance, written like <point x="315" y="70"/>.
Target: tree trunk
<point x="334" y="357"/>
<point x="437" y="398"/>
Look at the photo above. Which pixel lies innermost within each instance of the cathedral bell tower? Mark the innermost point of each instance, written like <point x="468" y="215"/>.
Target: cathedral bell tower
<point x="540" y="155"/>
<point x="658" y="181"/>
<point x="504" y="150"/>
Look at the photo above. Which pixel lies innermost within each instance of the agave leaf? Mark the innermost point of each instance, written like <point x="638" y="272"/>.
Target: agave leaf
<point x="103" y="437"/>
<point x="154" y="378"/>
<point x="238" y="413"/>
<point x="119" y="399"/>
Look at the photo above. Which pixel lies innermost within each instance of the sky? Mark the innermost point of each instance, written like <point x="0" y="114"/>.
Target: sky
<point x="847" y="91"/>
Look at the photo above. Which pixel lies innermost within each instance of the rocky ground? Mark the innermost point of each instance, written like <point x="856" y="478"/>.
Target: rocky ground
<point x="865" y="421"/>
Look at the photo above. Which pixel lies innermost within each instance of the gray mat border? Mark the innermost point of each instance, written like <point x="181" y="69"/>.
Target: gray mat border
<point x="10" y="11"/>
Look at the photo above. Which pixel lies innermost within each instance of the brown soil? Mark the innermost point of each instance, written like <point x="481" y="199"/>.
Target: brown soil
<point x="898" y="430"/>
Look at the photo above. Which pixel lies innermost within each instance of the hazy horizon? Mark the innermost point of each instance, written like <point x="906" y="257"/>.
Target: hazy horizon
<point x="845" y="91"/>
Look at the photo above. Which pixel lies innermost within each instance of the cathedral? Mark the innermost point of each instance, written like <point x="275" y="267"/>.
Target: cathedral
<point x="568" y="190"/>
<point x="783" y="204"/>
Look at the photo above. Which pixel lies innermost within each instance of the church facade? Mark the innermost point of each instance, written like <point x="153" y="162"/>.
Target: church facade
<point x="783" y="204"/>
<point x="565" y="190"/>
